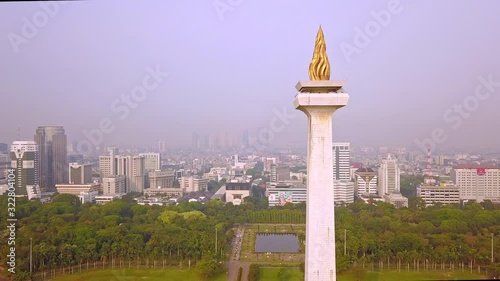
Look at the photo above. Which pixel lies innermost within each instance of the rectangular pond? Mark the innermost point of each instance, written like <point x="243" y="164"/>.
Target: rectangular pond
<point x="276" y="243"/>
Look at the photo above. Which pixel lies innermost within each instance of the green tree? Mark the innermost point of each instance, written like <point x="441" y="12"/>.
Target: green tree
<point x="209" y="268"/>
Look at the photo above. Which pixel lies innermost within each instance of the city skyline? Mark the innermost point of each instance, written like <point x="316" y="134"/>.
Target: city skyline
<point x="86" y="70"/>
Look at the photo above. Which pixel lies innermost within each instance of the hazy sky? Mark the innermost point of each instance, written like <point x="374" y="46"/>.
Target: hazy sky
<point x="229" y="69"/>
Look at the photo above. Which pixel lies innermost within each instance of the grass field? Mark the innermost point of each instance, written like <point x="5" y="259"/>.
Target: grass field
<point x="267" y="274"/>
<point x="272" y="274"/>
<point x="136" y="275"/>
<point x="394" y="275"/>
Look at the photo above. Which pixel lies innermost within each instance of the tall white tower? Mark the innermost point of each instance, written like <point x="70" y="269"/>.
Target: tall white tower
<point x="319" y="98"/>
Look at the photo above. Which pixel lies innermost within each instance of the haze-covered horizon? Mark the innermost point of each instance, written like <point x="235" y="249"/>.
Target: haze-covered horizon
<point x="231" y="69"/>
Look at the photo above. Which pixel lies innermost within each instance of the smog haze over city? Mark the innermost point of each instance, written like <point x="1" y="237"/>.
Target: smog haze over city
<point x="232" y="67"/>
<point x="250" y="140"/>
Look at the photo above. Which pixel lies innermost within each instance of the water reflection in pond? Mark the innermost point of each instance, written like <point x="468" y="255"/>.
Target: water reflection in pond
<point x="277" y="243"/>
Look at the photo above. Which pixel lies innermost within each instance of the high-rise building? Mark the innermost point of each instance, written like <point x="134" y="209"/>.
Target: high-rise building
<point x="366" y="181"/>
<point x="245" y="138"/>
<point x="114" y="185"/>
<point x="279" y="173"/>
<point x="195" y="141"/>
<point x="341" y="161"/>
<point x="4" y="148"/>
<point x="132" y="167"/>
<point x="113" y="149"/>
<point x="25" y="162"/>
<point x="161" y="179"/>
<point x="52" y="145"/>
<point x="283" y="173"/>
<point x="4" y="165"/>
<point x="268" y="162"/>
<point x="152" y="161"/>
<point x="477" y="182"/>
<point x="191" y="184"/>
<point x="162" y="146"/>
<point x="389" y="176"/>
<point x="80" y="173"/>
<point x="75" y="158"/>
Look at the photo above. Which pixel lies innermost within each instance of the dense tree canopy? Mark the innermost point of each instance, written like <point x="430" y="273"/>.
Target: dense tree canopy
<point x="65" y="232"/>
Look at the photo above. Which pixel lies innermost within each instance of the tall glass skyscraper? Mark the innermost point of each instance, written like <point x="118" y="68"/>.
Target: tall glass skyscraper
<point x="52" y="144"/>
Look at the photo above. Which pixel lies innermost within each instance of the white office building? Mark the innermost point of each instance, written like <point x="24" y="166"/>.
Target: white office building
<point x="477" y="183"/>
<point x="132" y="167"/>
<point x="282" y="193"/>
<point x="366" y="181"/>
<point x="343" y="192"/>
<point x="192" y="184"/>
<point x="152" y="161"/>
<point x="389" y="176"/>
<point x="444" y="193"/>
<point x="88" y="197"/>
<point x="113" y="185"/>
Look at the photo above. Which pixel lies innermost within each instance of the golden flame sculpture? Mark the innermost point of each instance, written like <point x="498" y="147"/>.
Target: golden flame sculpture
<point x="319" y="69"/>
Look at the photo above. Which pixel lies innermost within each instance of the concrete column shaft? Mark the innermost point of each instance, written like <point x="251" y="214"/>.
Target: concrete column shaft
<point x="320" y="228"/>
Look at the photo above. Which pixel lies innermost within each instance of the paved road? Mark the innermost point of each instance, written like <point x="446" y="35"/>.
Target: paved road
<point x="234" y="267"/>
<point x="236" y="243"/>
<point x="234" y="263"/>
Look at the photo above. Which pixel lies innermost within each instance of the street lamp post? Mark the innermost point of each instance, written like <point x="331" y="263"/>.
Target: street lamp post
<point x="31" y="255"/>
<point x="492" y="258"/>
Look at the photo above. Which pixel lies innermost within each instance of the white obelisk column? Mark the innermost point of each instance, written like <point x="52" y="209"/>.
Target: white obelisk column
<point x="319" y="100"/>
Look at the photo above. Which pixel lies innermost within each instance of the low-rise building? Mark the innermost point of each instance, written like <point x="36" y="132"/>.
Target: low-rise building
<point x="88" y="197"/>
<point x="237" y="191"/>
<point x="280" y="194"/>
<point x="114" y="185"/>
<point x="396" y="199"/>
<point x="77" y="189"/>
<point x="103" y="199"/>
<point x="444" y="193"/>
<point x="161" y="179"/>
<point x="167" y="192"/>
<point x="192" y="184"/>
<point x="343" y="192"/>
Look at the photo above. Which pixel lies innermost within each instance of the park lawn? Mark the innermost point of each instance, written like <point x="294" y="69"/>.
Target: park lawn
<point x="271" y="274"/>
<point x="136" y="275"/>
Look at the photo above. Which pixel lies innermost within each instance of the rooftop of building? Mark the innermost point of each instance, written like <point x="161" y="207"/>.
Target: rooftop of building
<point x="475" y="166"/>
<point x="365" y="170"/>
<point x="357" y="165"/>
